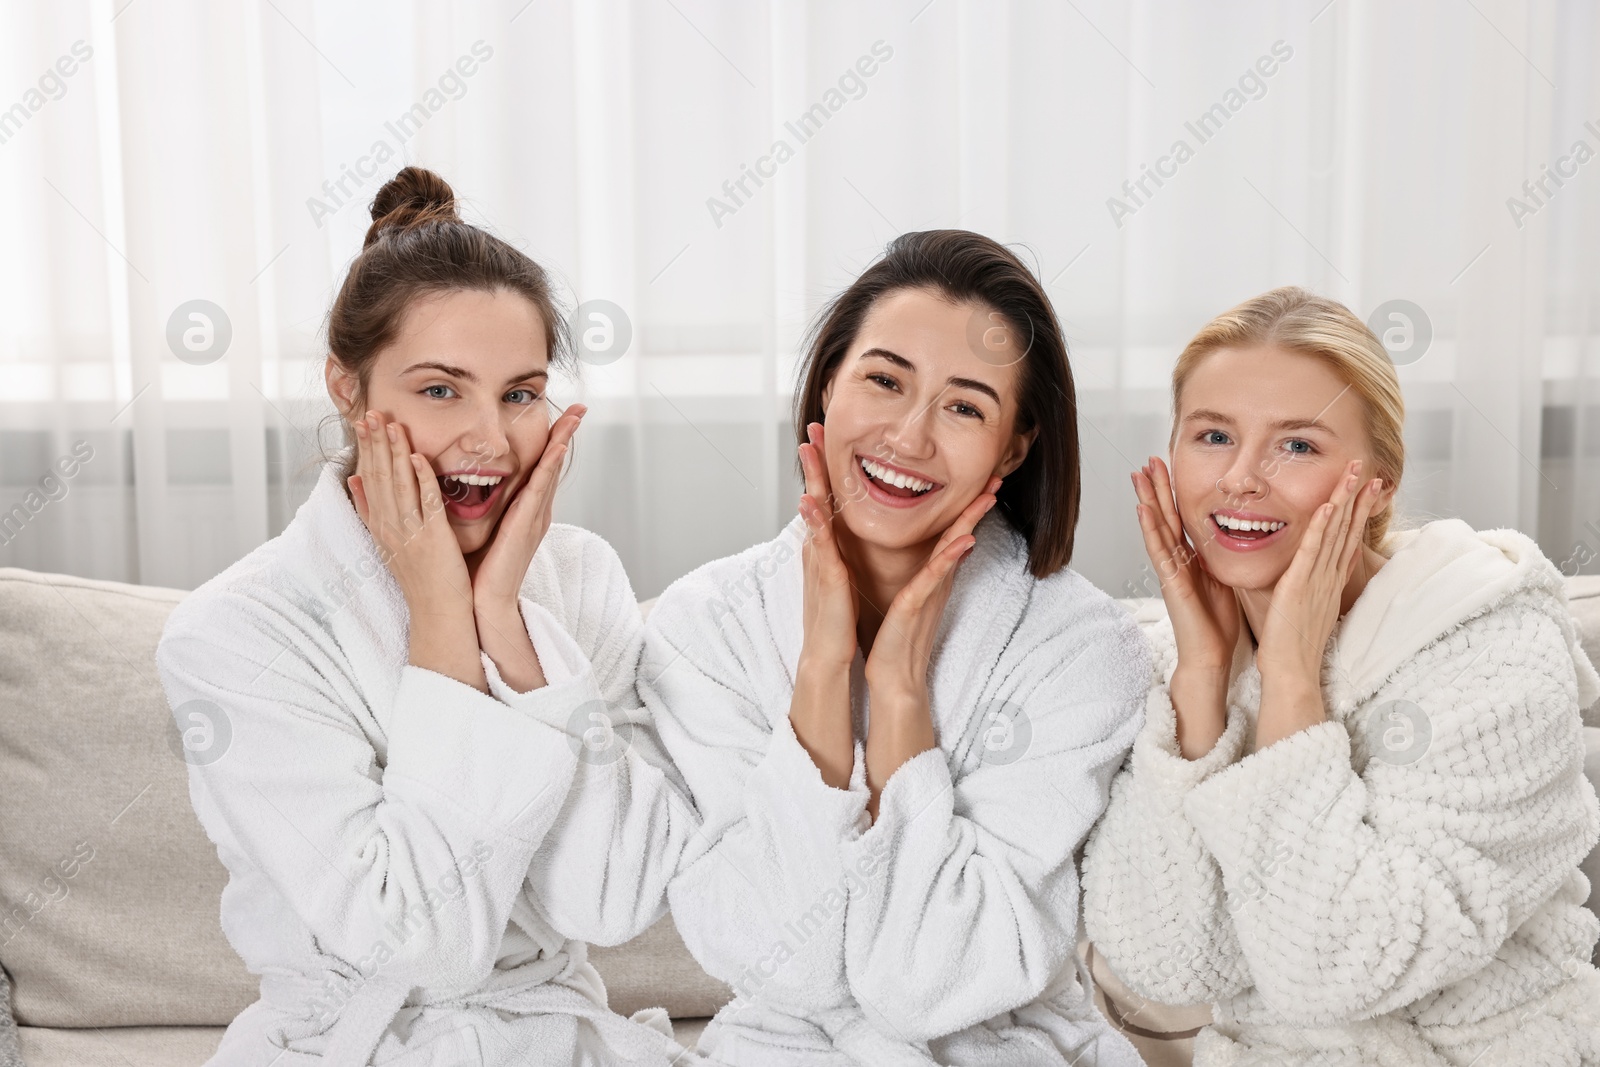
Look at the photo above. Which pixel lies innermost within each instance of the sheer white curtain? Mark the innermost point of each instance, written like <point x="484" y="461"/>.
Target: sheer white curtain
<point x="1426" y="152"/>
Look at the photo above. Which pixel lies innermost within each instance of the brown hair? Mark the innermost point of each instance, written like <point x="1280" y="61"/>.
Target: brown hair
<point x="417" y="246"/>
<point x="1298" y="320"/>
<point x="1040" y="497"/>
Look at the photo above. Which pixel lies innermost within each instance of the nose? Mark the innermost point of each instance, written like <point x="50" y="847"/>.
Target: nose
<point x="1244" y="480"/>
<point x="910" y="436"/>
<point x="485" y="438"/>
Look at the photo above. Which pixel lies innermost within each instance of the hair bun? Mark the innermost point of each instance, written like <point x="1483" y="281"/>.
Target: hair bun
<point x="411" y="198"/>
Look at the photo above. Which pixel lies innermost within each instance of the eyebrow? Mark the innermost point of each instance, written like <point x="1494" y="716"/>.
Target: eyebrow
<point x="1207" y="415"/>
<point x="960" y="383"/>
<point x="468" y="376"/>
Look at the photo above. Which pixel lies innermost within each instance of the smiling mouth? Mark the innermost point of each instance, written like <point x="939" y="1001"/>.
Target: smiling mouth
<point x="1233" y="532"/>
<point x="468" y="497"/>
<point x="895" y="483"/>
<point x="468" y="489"/>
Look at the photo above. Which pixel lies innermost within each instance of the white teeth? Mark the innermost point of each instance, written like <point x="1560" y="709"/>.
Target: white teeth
<point x="904" y="481"/>
<point x="475" y="479"/>
<point x="1229" y="523"/>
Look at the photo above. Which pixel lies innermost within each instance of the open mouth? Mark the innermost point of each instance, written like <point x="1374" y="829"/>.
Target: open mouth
<point x="1241" y="534"/>
<point x="470" y="496"/>
<point x="893" y="486"/>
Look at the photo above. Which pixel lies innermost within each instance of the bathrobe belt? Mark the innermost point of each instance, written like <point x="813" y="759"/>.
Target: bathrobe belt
<point x="365" y="1015"/>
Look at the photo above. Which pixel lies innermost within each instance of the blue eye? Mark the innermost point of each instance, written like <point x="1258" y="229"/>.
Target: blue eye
<point x="532" y="396"/>
<point x="429" y="391"/>
<point x="1214" y="437"/>
<point x="1302" y="452"/>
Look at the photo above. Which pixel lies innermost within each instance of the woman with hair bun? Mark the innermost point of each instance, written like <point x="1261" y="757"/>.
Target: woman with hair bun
<point x="1353" y="820"/>
<point x="438" y="783"/>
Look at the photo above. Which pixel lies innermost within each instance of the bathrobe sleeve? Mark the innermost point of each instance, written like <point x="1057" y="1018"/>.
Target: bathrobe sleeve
<point x="1153" y="898"/>
<point x="760" y="897"/>
<point x="433" y="838"/>
<point x="601" y="873"/>
<point x="1361" y="893"/>
<point x="971" y="906"/>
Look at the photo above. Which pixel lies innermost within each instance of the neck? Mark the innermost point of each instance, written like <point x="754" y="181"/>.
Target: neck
<point x="1257" y="602"/>
<point x="878" y="574"/>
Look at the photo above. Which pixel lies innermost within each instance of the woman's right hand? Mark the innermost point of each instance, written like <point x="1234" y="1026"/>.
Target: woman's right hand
<point x="1205" y="614"/>
<point x="398" y="498"/>
<point x="819" y="710"/>
<point x="830" y="601"/>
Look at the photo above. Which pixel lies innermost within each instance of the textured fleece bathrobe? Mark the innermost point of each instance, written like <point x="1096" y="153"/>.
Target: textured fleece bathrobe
<point x="413" y="864"/>
<point x="1398" y="885"/>
<point x="944" y="933"/>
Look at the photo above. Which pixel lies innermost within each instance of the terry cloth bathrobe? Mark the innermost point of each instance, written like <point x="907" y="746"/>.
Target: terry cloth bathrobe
<point x="415" y="864"/>
<point x="1398" y="885"/>
<point x="944" y="933"/>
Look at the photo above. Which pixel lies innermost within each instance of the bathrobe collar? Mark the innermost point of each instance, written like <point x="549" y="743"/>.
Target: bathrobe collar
<point x="1438" y="577"/>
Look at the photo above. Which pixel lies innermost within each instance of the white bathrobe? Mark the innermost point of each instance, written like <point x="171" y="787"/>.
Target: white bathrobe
<point x="1398" y="884"/>
<point x="945" y="932"/>
<point x="414" y="864"/>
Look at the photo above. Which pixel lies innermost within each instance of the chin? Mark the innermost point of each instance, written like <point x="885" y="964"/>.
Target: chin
<point x="1243" y="573"/>
<point x="887" y="531"/>
<point x="470" y="542"/>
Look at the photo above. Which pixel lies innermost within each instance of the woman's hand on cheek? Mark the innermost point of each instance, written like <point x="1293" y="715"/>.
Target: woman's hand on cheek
<point x="398" y="498"/>
<point x="897" y="669"/>
<point x="830" y="602"/>
<point x="497" y="581"/>
<point x="1305" y="607"/>
<point x="1305" y="601"/>
<point x="898" y="665"/>
<point x="1205" y="613"/>
<point x="819" y="710"/>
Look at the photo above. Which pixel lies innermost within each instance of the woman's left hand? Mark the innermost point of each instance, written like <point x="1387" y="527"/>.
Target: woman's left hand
<point x="1305" y="601"/>
<point x="898" y="663"/>
<point x="497" y="580"/>
<point x="897" y="667"/>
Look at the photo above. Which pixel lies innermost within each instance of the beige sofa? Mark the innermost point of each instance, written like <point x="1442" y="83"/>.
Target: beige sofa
<point x="109" y="889"/>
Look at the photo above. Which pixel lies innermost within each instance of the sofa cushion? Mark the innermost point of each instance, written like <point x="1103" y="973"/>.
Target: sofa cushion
<point x="128" y="1046"/>
<point x="109" y="888"/>
<point x="655" y="970"/>
<point x="172" y="1046"/>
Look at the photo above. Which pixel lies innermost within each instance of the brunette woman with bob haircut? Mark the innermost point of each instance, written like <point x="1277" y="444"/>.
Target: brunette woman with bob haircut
<point x="899" y="718"/>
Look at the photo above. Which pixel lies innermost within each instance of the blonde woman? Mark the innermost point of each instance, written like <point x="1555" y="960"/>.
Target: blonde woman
<point x="1353" y="820"/>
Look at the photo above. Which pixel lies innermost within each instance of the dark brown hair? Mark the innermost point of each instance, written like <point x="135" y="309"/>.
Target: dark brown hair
<point x="1040" y="497"/>
<point x="417" y="246"/>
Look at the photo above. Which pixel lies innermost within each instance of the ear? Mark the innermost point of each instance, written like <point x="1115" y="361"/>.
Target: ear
<point x="1016" y="452"/>
<point x="827" y="391"/>
<point x="342" y="385"/>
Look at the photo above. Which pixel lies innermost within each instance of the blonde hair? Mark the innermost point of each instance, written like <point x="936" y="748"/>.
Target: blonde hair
<point x="1297" y="320"/>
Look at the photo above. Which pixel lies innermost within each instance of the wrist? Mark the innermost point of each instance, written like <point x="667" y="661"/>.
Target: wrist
<point x="896" y="698"/>
<point x="1204" y="676"/>
<point x="495" y="607"/>
<point x="814" y="662"/>
<point x="1293" y="677"/>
